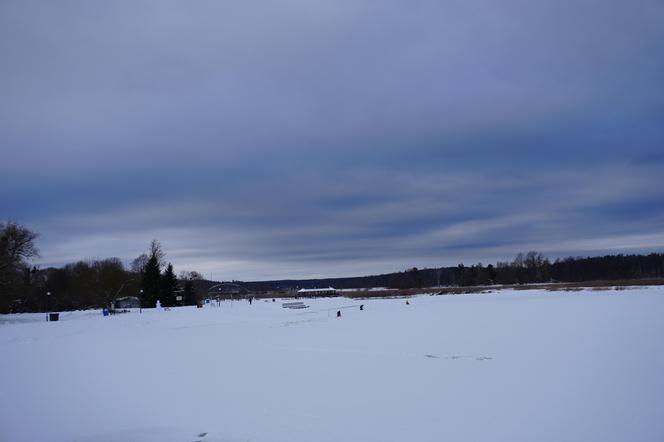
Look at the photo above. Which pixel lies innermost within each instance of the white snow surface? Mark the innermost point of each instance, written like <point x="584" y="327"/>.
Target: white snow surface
<point x="505" y="366"/>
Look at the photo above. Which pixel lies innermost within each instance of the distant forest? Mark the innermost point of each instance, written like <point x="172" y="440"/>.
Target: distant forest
<point x="96" y="283"/>
<point x="529" y="268"/>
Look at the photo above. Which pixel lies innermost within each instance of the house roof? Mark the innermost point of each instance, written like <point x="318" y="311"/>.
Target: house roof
<point x="328" y="289"/>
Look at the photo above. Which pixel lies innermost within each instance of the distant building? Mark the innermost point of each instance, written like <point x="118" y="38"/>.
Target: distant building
<point x="226" y="288"/>
<point x="318" y="292"/>
<point x="126" y="302"/>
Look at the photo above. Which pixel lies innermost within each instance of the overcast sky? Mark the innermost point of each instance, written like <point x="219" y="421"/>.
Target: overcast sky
<point x="308" y="138"/>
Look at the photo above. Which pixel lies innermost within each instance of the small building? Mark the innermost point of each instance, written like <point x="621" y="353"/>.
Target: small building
<point x="126" y="302"/>
<point x="329" y="291"/>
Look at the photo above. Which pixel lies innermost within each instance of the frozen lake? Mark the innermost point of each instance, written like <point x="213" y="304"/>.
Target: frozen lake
<point x="508" y="366"/>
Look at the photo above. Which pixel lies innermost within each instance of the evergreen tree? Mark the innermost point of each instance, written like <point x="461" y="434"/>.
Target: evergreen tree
<point x="168" y="287"/>
<point x="151" y="283"/>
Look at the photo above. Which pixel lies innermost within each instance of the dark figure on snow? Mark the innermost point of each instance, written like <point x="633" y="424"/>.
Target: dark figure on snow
<point x="407" y="303"/>
<point x="362" y="307"/>
<point x="338" y="313"/>
<point x="250" y="299"/>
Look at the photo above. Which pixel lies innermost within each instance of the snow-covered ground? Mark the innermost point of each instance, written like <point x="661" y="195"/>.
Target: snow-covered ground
<point x="507" y="366"/>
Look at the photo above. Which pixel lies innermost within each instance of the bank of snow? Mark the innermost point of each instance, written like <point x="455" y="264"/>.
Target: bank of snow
<point x="510" y="366"/>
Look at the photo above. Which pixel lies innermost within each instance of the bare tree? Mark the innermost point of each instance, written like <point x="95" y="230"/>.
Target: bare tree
<point x="17" y="244"/>
<point x="533" y="260"/>
<point x="518" y="261"/>
<point x="138" y="264"/>
<point x="157" y="252"/>
<point x="111" y="280"/>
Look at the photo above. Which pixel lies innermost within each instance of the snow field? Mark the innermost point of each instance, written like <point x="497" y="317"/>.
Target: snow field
<point x="506" y="366"/>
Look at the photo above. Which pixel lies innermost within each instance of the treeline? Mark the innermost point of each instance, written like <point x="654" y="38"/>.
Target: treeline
<point x="534" y="267"/>
<point x="411" y="278"/>
<point x="528" y="268"/>
<point x="87" y="284"/>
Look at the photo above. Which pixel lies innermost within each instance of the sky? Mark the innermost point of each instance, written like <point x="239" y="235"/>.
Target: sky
<point x="295" y="139"/>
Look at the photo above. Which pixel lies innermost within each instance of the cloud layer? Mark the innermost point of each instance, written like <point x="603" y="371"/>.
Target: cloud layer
<point x="297" y="139"/>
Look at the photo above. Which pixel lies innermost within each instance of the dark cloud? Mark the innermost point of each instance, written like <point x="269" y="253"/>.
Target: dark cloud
<point x="314" y="138"/>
